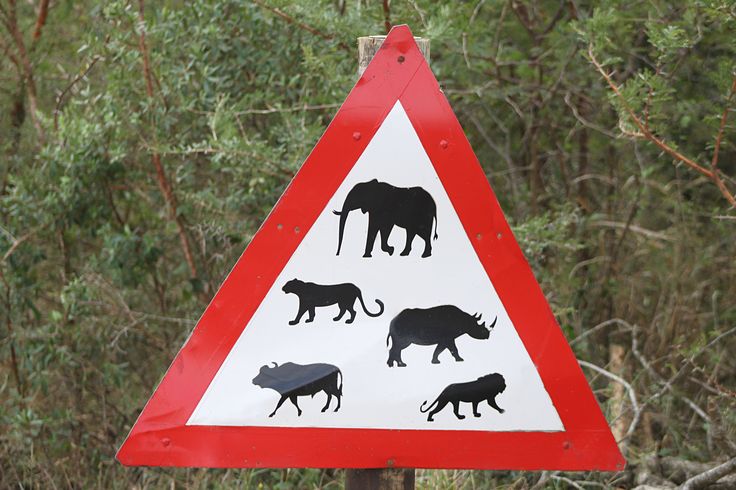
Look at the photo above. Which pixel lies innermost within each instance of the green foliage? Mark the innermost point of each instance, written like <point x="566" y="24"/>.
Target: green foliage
<point x="548" y="231"/>
<point x="96" y="295"/>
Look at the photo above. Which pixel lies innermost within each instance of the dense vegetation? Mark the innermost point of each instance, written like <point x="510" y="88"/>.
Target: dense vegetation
<point x="142" y="145"/>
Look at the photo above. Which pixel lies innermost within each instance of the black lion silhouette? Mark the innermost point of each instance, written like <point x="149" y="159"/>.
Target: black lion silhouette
<point x="312" y="295"/>
<point x="484" y="388"/>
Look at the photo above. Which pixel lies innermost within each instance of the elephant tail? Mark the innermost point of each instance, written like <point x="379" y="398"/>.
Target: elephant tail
<point x="435" y="227"/>
<point x="378" y="301"/>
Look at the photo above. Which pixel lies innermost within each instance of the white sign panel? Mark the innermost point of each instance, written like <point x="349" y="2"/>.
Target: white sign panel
<point x="373" y="393"/>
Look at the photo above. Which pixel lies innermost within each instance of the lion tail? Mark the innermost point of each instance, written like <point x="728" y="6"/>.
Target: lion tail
<point x="425" y="410"/>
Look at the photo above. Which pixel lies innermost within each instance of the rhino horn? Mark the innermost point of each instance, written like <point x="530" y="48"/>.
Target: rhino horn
<point x="490" y="327"/>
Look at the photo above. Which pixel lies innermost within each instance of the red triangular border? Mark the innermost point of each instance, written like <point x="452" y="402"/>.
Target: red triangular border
<point x="161" y="437"/>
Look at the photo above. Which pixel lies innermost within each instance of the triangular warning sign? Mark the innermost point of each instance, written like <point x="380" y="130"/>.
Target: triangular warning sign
<point x="383" y="315"/>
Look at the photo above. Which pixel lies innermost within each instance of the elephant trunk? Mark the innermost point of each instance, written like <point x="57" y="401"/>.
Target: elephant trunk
<point x="347" y="206"/>
<point x="343" y="218"/>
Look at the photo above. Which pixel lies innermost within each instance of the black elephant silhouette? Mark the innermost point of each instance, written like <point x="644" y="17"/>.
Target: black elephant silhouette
<point x="313" y="295"/>
<point x="411" y="208"/>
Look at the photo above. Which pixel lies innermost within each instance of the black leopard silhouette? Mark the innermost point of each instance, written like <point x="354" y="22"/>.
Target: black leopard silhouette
<point x="313" y="295"/>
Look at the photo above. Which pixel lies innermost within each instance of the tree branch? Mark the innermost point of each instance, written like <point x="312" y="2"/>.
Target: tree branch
<point x="302" y="25"/>
<point x="6" y="51"/>
<point x="387" y="15"/>
<point x="43" y="11"/>
<point x="163" y="182"/>
<point x="644" y="132"/>
<point x="629" y="390"/>
<point x="18" y="241"/>
<point x="60" y="98"/>
<point x="26" y="68"/>
<point x="11" y="336"/>
<point x="721" y="129"/>
<point x="710" y="476"/>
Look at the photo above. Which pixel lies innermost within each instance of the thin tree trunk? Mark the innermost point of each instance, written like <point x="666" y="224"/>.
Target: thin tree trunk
<point x="163" y="182"/>
<point x="25" y="66"/>
<point x="43" y="11"/>
<point x="9" y="326"/>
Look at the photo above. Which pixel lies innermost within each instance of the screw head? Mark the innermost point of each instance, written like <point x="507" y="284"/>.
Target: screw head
<point x="444" y="144"/>
<point x="357" y="135"/>
<point x="401" y="59"/>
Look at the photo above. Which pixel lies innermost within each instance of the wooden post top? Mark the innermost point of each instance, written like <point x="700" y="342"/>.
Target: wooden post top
<point x="369" y="45"/>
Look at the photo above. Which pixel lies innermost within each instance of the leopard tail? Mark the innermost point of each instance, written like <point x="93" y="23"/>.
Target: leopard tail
<point x="378" y="301"/>
<point x="423" y="410"/>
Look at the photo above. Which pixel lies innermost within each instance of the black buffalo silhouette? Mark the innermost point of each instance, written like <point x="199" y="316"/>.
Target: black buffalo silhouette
<point x="313" y="295"/>
<point x="484" y="388"/>
<point x="439" y="326"/>
<point x="292" y="380"/>
<point x="411" y="208"/>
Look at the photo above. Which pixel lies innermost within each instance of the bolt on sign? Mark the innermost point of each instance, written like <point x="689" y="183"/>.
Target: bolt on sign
<point x="383" y="315"/>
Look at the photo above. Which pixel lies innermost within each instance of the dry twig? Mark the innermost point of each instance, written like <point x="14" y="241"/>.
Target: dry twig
<point x="312" y="30"/>
<point x="710" y="476"/>
<point x="629" y="389"/>
<point x="60" y="98"/>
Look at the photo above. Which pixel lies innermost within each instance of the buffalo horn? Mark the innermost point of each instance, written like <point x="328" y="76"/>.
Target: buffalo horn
<point x="275" y="365"/>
